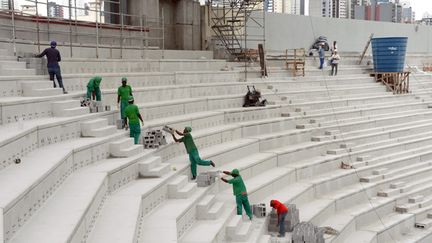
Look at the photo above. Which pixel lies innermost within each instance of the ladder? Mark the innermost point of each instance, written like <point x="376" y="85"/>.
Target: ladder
<point x="365" y="49"/>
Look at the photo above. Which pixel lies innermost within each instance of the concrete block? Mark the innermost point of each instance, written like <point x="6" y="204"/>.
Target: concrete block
<point x="303" y="126"/>
<point x="380" y="171"/>
<point x="332" y="132"/>
<point x="424" y="224"/>
<point x="363" y="158"/>
<point x="416" y="199"/>
<point x="346" y="145"/>
<point x="320" y="138"/>
<point x="406" y="208"/>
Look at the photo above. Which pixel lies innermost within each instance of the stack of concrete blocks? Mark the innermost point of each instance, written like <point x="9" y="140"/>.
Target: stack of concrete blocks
<point x="259" y="210"/>
<point x="153" y="139"/>
<point x="306" y="232"/>
<point x="205" y="179"/>
<point x="291" y="220"/>
<point x="95" y="106"/>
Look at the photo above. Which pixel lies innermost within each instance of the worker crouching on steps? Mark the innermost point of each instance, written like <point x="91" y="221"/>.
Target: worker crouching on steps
<point x="281" y="211"/>
<point x="133" y="115"/>
<point x="93" y="88"/>
<point x="192" y="150"/>
<point x="239" y="190"/>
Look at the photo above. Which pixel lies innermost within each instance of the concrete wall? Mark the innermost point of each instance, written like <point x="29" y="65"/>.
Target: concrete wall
<point x="182" y="24"/>
<point x="293" y="31"/>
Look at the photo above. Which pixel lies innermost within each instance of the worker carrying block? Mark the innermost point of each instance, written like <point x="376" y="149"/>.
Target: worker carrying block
<point x="191" y="149"/>
<point x="281" y="211"/>
<point x="239" y="191"/>
<point x="93" y="88"/>
<point x="133" y="115"/>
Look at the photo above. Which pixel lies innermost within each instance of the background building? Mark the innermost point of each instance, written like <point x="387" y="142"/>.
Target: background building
<point x="55" y="10"/>
<point x="5" y="4"/>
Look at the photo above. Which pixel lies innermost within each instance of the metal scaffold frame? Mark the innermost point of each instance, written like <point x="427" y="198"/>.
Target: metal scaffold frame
<point x="132" y="29"/>
<point x="231" y="20"/>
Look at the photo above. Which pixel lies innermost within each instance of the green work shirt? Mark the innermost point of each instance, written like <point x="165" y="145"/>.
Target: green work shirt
<point x="189" y="144"/>
<point x="238" y="185"/>
<point x="124" y="92"/>
<point x="94" y="83"/>
<point x="132" y="113"/>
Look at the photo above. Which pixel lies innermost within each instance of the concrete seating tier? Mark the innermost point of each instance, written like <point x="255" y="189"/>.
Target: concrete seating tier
<point x="235" y="163"/>
<point x="323" y="123"/>
<point x="15" y="108"/>
<point x="13" y="86"/>
<point x="77" y="65"/>
<point x="64" y="176"/>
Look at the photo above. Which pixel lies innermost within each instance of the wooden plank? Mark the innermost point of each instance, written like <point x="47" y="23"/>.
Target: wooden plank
<point x="262" y="59"/>
<point x="366" y="48"/>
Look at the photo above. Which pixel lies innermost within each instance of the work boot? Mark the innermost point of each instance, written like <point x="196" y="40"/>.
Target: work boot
<point x="212" y="163"/>
<point x="65" y="92"/>
<point x="193" y="178"/>
<point x="281" y="236"/>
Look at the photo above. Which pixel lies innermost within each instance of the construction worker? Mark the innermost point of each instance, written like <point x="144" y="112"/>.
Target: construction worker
<point x="191" y="149"/>
<point x="239" y="190"/>
<point x="123" y="93"/>
<point x="53" y="58"/>
<point x="133" y="115"/>
<point x="93" y="88"/>
<point x="281" y="211"/>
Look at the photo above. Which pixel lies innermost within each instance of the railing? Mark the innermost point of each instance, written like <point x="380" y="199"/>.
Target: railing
<point x="97" y="28"/>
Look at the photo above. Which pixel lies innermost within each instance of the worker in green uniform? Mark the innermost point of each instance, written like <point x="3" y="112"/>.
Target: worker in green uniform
<point x="133" y="115"/>
<point x="239" y="190"/>
<point x="93" y="88"/>
<point x="123" y="93"/>
<point x="192" y="150"/>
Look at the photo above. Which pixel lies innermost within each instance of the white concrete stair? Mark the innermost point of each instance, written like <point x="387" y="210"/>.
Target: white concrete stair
<point x="17" y="72"/>
<point x="208" y="208"/>
<point x="180" y="188"/>
<point x="67" y="108"/>
<point x="8" y="64"/>
<point x="125" y="148"/>
<point x="39" y="89"/>
<point x="97" y="128"/>
<point x="238" y="230"/>
<point x="153" y="167"/>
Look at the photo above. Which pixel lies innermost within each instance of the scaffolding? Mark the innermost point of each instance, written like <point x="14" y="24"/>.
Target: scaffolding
<point x="239" y="26"/>
<point x="98" y="28"/>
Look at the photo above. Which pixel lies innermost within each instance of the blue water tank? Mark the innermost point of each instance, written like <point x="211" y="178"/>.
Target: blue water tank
<point x="389" y="53"/>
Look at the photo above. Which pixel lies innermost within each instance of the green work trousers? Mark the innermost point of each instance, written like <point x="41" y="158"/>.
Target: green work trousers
<point x="196" y="160"/>
<point x="123" y="105"/>
<point x="243" y="201"/>
<point x="97" y="92"/>
<point x="135" y="132"/>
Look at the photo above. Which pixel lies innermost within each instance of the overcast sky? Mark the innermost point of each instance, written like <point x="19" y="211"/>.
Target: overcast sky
<point x="421" y="6"/>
